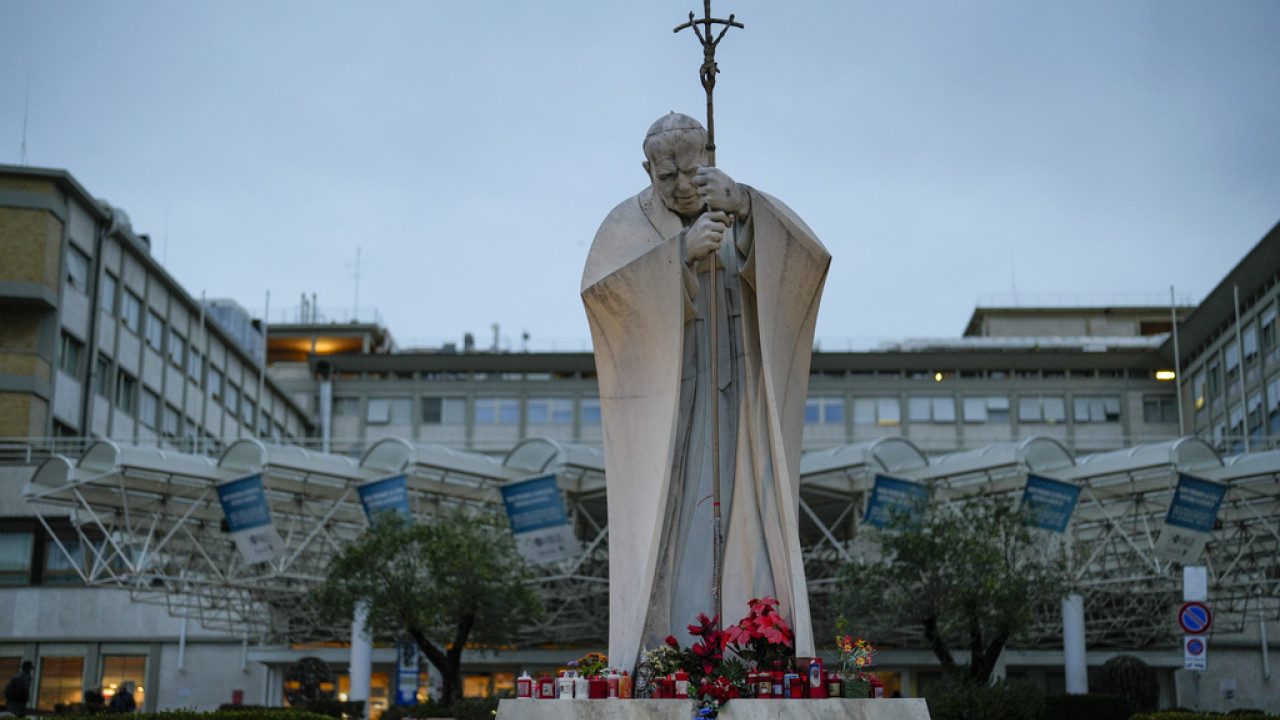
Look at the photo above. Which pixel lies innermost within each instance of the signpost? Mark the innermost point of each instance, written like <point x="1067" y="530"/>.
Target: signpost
<point x="891" y="497"/>
<point x="1194" y="649"/>
<point x="1049" y="502"/>
<point x="1195" y="618"/>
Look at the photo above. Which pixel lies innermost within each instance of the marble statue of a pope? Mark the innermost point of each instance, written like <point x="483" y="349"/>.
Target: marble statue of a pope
<point x="645" y="290"/>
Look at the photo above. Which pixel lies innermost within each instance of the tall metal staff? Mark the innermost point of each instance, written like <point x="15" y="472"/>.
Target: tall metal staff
<point x="709" y="39"/>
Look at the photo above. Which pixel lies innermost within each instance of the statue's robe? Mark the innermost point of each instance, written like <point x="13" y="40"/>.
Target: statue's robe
<point x="647" y="311"/>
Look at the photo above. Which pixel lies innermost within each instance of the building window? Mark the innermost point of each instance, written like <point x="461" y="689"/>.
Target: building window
<point x="389" y="411"/>
<point x="232" y="401"/>
<point x="1235" y="436"/>
<point x="63" y="568"/>
<point x="1267" y="329"/>
<point x="1098" y="408"/>
<point x="876" y="411"/>
<point x="77" y="269"/>
<point x="931" y="409"/>
<point x="993" y="410"/>
<point x="102" y="377"/>
<point x="149" y="408"/>
<point x="155" y="330"/>
<point x="1049" y="409"/>
<point x="193" y="363"/>
<point x="449" y="410"/>
<point x="591" y="411"/>
<point x="264" y="423"/>
<point x="177" y="349"/>
<point x="107" y="293"/>
<point x="1159" y="409"/>
<point x="1254" y="414"/>
<point x="131" y="312"/>
<point x="1273" y="407"/>
<point x="171" y="426"/>
<point x="213" y="383"/>
<point x="15" y="558"/>
<point x="824" y="411"/>
<point x="500" y="411"/>
<point x="248" y="409"/>
<point x="61" y="681"/>
<point x="118" y="670"/>
<point x="550" y="411"/>
<point x="69" y="355"/>
<point x="126" y="392"/>
<point x="1249" y="339"/>
<point x="346" y="407"/>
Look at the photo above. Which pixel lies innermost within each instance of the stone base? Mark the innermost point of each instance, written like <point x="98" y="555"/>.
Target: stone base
<point x="740" y="709"/>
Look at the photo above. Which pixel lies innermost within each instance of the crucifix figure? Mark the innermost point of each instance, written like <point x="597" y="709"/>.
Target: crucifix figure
<point x="702" y="393"/>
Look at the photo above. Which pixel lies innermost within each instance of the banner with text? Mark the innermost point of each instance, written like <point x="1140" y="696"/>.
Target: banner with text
<point x="244" y="504"/>
<point x="538" y="520"/>
<point x="389" y="495"/>
<point x="1049" y="502"/>
<point x="1192" y="513"/>
<point x="890" y="497"/>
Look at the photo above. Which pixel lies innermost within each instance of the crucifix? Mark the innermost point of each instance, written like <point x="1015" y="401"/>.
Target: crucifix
<point x="704" y="29"/>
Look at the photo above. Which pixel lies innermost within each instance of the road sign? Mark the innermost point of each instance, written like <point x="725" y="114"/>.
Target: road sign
<point x="1194" y="650"/>
<point x="1195" y="618"/>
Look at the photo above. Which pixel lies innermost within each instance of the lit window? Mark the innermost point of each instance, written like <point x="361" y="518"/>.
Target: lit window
<point x="61" y="682"/>
<point x="118" y="670"/>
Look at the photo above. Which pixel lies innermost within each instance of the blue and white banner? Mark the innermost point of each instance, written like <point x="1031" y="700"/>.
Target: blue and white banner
<point x="389" y="495"/>
<point x="538" y="520"/>
<point x="1192" y="514"/>
<point x="1049" y="502"/>
<point x="890" y="497"/>
<point x="244" y="504"/>
<point x="406" y="671"/>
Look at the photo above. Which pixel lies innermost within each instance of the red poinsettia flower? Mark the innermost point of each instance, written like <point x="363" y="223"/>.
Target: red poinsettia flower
<point x="671" y="640"/>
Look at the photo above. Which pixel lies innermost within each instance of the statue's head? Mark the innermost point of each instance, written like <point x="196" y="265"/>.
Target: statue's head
<point x="674" y="148"/>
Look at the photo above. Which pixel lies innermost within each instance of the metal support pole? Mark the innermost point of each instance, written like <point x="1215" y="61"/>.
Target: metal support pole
<point x="1177" y="361"/>
<point x="1244" y="406"/>
<point x="1073" y="645"/>
<point x="360" y="671"/>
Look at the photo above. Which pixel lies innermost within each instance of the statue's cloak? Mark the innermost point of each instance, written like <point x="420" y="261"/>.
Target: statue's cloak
<point x="636" y="290"/>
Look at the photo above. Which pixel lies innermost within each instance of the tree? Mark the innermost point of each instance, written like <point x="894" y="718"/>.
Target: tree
<point x="970" y="575"/>
<point x="456" y="580"/>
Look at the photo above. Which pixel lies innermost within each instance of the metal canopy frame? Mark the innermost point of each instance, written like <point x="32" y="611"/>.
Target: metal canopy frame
<point x="149" y="521"/>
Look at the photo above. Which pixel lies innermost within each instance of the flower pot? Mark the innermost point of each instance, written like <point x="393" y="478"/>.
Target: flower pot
<point x="855" y="688"/>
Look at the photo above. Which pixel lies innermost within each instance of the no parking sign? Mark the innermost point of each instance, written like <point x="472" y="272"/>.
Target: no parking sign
<point x="1194" y="650"/>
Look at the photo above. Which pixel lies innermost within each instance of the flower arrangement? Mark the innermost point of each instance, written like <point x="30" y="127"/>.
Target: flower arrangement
<point x="855" y="655"/>
<point x="715" y="694"/>
<point x="763" y="634"/>
<point x="590" y="664"/>
<point x="666" y="658"/>
<point x="709" y="650"/>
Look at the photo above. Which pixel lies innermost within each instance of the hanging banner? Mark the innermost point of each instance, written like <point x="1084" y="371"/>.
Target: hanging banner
<point x="406" y="671"/>
<point x="538" y="520"/>
<point x="1187" y="525"/>
<point x="388" y="495"/>
<point x="1049" y="502"/>
<point x="244" y="504"/>
<point x="890" y="497"/>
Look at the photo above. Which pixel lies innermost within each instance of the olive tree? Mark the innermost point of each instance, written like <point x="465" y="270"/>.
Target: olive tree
<point x="969" y="575"/>
<point x="455" y="580"/>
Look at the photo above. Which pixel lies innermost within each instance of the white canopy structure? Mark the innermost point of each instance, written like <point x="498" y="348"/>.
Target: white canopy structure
<point x="150" y="521"/>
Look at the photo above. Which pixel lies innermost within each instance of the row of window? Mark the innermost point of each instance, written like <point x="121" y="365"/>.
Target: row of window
<point x="993" y="409"/>
<point x="453" y="410"/>
<point x="59" y="680"/>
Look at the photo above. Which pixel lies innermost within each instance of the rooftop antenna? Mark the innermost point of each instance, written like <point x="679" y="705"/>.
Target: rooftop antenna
<point x="26" y="110"/>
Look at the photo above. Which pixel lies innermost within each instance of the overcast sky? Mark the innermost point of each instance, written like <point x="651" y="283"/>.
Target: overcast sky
<point x="943" y="151"/>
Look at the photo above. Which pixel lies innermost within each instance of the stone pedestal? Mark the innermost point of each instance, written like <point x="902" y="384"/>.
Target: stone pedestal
<point x="740" y="709"/>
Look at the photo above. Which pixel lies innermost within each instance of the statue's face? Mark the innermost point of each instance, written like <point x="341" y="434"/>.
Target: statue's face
<point x="671" y="166"/>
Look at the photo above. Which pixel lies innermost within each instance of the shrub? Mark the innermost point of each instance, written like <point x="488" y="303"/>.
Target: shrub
<point x="1094" y="706"/>
<point x="463" y="709"/>
<point x="1131" y="679"/>
<point x="1187" y="714"/>
<point x="960" y="699"/>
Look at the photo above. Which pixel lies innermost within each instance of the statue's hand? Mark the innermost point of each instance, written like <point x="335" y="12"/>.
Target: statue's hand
<point x="720" y="192"/>
<point x="705" y="235"/>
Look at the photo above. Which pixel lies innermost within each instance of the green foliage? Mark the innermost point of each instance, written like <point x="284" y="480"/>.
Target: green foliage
<point x="456" y="580"/>
<point x="955" y="698"/>
<point x="1131" y="679"/>
<point x="464" y="709"/>
<point x="968" y="576"/>
<point x="246" y="712"/>
<point x="1094" y="706"/>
